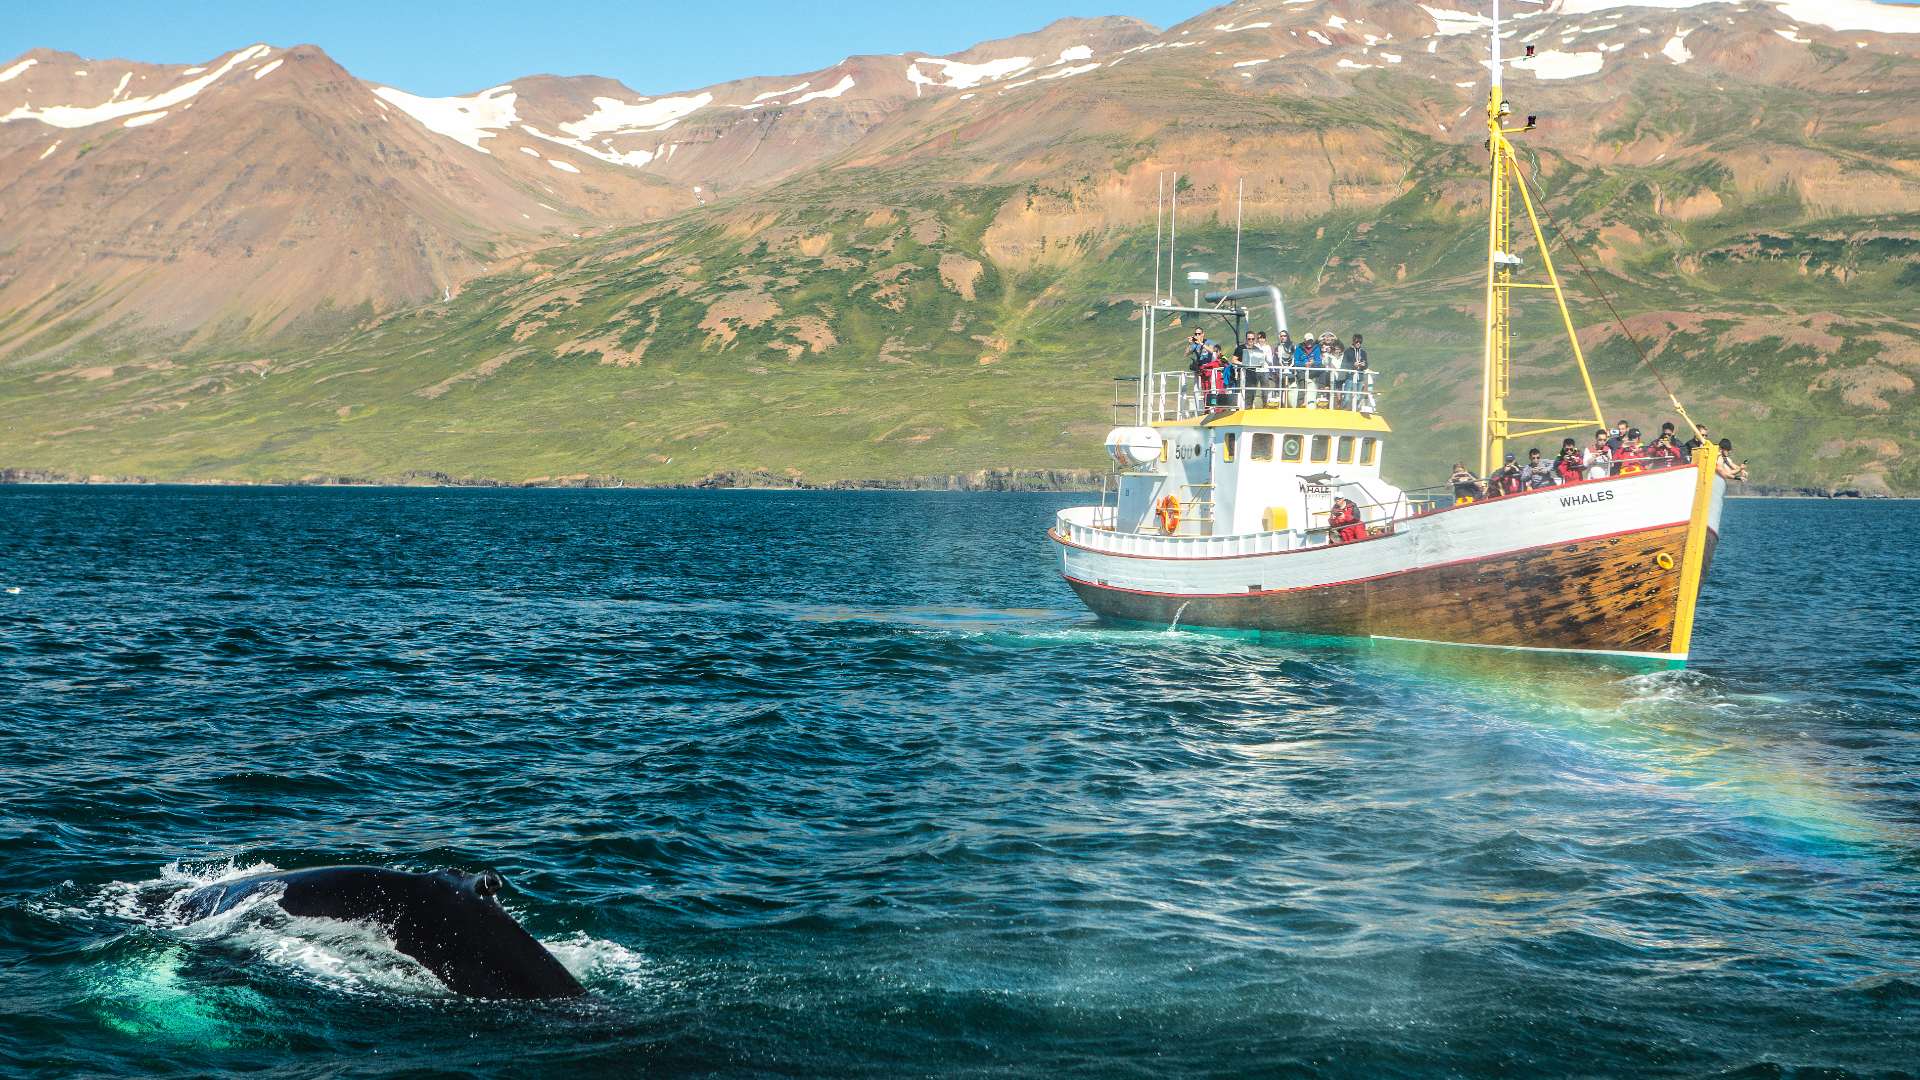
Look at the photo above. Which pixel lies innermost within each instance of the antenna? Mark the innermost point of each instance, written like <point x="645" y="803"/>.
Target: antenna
<point x="1239" y="202"/>
<point x="1159" y="212"/>
<point x="1173" y="239"/>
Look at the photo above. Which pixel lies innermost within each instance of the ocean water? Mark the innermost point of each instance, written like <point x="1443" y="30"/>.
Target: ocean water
<point x="848" y="785"/>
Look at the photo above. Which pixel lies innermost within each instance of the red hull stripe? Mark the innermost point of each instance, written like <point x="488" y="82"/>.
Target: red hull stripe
<point x="1358" y="580"/>
<point x="1064" y="542"/>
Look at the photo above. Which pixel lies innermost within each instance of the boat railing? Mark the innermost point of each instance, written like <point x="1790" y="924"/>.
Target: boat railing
<point x="1179" y="395"/>
<point x="1095" y="527"/>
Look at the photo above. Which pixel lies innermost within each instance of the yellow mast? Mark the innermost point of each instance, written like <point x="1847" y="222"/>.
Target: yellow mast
<point x="1496" y="426"/>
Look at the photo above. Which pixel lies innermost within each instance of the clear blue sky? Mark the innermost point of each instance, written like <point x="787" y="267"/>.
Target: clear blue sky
<point x="465" y="45"/>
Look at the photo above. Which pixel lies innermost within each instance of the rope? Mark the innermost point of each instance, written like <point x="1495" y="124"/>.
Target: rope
<point x="1540" y="206"/>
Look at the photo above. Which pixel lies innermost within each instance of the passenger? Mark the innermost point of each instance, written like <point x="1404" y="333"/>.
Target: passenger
<point x="1283" y="364"/>
<point x="1569" y="465"/>
<point x="1666" y="430"/>
<point x="1537" y="473"/>
<point x="1325" y="377"/>
<point x="1631" y="453"/>
<point x="1598" y="459"/>
<point x="1269" y="371"/>
<point x="1505" y="480"/>
<point x="1306" y="366"/>
<point x="1725" y="467"/>
<point x="1663" y="454"/>
<point x="1213" y="378"/>
<point x="1618" y="439"/>
<point x="1699" y="440"/>
<point x="1465" y="484"/>
<point x="1196" y="359"/>
<point x="1344" y="525"/>
<point x="1362" y="378"/>
<point x="1338" y="375"/>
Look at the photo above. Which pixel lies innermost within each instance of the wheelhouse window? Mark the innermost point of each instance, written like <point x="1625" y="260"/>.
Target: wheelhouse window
<point x="1346" y="450"/>
<point x="1320" y="445"/>
<point x="1291" y="447"/>
<point x="1369" y="447"/>
<point x="1262" y="446"/>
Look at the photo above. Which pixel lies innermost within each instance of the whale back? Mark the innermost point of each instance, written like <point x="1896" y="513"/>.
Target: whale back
<point x="448" y="921"/>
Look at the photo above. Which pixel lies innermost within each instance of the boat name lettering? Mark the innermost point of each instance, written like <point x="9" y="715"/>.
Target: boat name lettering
<point x="1589" y="497"/>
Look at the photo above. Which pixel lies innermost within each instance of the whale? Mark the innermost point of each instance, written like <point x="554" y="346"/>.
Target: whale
<point x="447" y="920"/>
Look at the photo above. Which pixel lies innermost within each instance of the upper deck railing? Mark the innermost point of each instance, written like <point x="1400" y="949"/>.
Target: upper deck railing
<point x="1179" y="395"/>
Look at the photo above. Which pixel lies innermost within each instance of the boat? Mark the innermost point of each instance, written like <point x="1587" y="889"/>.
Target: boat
<point x="1263" y="509"/>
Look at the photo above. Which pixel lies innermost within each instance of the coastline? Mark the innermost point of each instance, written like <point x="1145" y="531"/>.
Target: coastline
<point x="979" y="480"/>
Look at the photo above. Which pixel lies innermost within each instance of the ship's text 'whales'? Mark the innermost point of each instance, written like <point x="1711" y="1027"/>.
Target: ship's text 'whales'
<point x="448" y="921"/>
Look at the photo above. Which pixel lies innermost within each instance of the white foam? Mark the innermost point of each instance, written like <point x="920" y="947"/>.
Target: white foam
<point x="11" y="73"/>
<point x="845" y="84"/>
<point x="465" y="120"/>
<point x="268" y="69"/>
<point x="592" y="960"/>
<point x="76" y="116"/>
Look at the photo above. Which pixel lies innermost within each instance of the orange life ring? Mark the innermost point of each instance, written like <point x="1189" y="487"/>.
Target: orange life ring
<point x="1629" y="470"/>
<point x="1169" y="511"/>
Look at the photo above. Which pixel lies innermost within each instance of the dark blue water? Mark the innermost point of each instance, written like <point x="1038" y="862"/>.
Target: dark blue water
<point x="848" y="785"/>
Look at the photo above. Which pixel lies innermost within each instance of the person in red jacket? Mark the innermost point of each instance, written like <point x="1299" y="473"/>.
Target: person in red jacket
<point x="1344" y="522"/>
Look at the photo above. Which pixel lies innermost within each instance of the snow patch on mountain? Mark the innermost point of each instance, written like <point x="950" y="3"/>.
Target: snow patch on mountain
<point x="1553" y="64"/>
<point x="465" y="120"/>
<point x="1832" y="14"/>
<point x="268" y="69"/>
<point x="955" y="75"/>
<point x="1676" y="49"/>
<point x="76" y="116"/>
<point x="143" y="121"/>
<point x="845" y="84"/>
<point x="771" y="94"/>
<point x="9" y="74"/>
<point x="1230" y="28"/>
<point x="563" y="166"/>
<point x="647" y="114"/>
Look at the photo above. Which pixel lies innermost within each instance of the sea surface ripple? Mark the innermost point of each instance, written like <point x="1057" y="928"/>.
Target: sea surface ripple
<point x="849" y="785"/>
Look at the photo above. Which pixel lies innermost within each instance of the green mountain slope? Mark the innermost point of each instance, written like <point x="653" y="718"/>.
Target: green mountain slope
<point x="957" y="291"/>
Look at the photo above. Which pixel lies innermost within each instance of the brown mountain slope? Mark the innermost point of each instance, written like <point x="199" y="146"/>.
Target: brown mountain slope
<point x="267" y="185"/>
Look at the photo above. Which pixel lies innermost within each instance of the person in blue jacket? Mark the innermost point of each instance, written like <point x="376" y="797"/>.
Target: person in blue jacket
<point x="1306" y="363"/>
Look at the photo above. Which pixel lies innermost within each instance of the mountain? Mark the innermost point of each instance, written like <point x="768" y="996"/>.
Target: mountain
<point x="916" y="265"/>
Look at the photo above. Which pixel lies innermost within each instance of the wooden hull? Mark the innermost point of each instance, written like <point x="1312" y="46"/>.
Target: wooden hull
<point x="1613" y="567"/>
<point x="1608" y="595"/>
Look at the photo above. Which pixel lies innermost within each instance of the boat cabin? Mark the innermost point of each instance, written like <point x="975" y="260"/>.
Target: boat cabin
<point x="1258" y="461"/>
